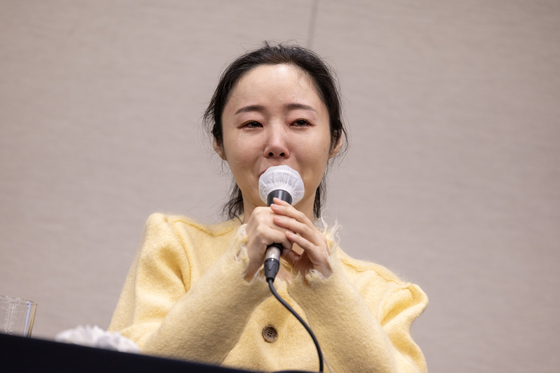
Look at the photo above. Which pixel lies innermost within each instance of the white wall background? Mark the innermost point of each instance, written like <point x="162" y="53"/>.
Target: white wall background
<point x="452" y="178"/>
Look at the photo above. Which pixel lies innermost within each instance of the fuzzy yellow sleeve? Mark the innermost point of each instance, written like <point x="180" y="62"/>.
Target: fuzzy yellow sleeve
<point x="165" y="314"/>
<point x="363" y="325"/>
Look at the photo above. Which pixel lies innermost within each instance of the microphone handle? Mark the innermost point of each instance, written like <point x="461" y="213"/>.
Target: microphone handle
<point x="272" y="261"/>
<point x="274" y="251"/>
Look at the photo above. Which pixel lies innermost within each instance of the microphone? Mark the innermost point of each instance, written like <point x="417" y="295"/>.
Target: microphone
<point x="286" y="184"/>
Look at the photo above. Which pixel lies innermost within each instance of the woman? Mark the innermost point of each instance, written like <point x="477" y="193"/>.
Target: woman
<point x="196" y="292"/>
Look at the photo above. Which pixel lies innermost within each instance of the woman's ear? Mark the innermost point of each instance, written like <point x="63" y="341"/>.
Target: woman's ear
<point x="336" y="148"/>
<point x="218" y="148"/>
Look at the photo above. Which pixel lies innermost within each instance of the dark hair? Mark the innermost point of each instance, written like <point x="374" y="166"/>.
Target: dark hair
<point x="308" y="62"/>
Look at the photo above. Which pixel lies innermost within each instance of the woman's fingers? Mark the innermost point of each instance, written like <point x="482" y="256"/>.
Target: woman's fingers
<point x="303" y="263"/>
<point x="316" y="256"/>
<point x="296" y="261"/>
<point x="289" y="218"/>
<point x="282" y="208"/>
<point x="315" y="253"/>
<point x="301" y="231"/>
<point x="294" y="226"/>
<point x="262" y="232"/>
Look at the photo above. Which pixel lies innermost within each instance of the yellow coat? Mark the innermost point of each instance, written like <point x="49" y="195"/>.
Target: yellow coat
<point x="185" y="297"/>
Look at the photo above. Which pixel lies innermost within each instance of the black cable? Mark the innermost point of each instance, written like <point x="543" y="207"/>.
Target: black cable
<point x="273" y="291"/>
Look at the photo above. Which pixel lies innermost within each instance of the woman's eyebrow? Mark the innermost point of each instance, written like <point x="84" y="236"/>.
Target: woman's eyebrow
<point x="287" y="107"/>
<point x="297" y="106"/>
<point x="250" y="108"/>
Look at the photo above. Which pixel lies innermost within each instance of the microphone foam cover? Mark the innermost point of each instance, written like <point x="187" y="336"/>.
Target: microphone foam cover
<point x="284" y="178"/>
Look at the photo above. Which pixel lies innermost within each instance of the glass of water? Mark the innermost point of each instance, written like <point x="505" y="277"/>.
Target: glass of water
<point x="16" y="316"/>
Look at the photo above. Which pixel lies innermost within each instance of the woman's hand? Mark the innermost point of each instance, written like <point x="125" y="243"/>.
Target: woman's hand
<point x="261" y="232"/>
<point x="300" y="230"/>
<point x="282" y="223"/>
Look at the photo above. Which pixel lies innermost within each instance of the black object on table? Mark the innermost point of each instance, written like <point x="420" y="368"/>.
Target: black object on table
<point x="29" y="355"/>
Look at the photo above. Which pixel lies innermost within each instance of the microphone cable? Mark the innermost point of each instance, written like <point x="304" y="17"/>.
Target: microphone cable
<point x="285" y="304"/>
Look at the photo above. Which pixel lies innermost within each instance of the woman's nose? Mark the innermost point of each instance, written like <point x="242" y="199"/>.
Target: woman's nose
<point x="276" y="144"/>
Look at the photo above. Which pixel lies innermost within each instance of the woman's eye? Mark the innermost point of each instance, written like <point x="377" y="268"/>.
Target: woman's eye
<point x="301" y="122"/>
<point x="252" y="124"/>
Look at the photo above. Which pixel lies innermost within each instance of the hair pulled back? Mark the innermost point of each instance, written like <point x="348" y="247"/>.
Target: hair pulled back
<point x="307" y="61"/>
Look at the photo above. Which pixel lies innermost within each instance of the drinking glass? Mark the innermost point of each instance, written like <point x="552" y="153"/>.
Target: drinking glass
<point x="16" y="316"/>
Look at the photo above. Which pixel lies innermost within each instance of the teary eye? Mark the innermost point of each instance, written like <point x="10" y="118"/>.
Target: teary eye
<point x="252" y="124"/>
<point x="301" y="122"/>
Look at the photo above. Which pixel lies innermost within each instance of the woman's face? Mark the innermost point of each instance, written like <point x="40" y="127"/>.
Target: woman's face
<point x="274" y="116"/>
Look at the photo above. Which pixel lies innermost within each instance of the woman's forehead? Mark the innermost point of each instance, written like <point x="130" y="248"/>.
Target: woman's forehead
<point x="281" y="81"/>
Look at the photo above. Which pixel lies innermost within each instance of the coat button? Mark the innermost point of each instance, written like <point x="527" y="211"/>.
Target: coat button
<point x="269" y="334"/>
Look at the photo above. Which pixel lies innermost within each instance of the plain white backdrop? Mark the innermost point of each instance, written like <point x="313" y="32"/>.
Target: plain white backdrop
<point x="452" y="178"/>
